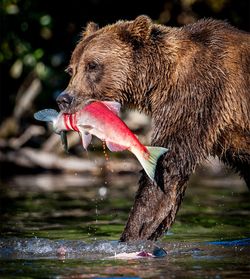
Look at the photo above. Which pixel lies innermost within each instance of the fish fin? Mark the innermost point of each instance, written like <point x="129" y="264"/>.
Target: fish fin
<point x="47" y="115"/>
<point x="115" y="107"/>
<point x="64" y="140"/>
<point x="86" y="138"/>
<point x="149" y="163"/>
<point x="115" y="146"/>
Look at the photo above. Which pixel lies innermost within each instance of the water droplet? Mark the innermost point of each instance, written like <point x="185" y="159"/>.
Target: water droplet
<point x="103" y="191"/>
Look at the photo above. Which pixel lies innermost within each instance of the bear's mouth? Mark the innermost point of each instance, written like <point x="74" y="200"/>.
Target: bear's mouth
<point x="69" y="104"/>
<point x="77" y="104"/>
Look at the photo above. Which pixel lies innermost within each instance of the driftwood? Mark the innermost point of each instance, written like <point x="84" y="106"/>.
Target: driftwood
<point x="26" y="95"/>
<point x="31" y="158"/>
<point x="54" y="144"/>
<point x="53" y="182"/>
<point x="31" y="131"/>
<point x="47" y="182"/>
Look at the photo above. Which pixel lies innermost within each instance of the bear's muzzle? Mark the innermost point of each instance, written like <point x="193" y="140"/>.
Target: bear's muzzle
<point x="64" y="100"/>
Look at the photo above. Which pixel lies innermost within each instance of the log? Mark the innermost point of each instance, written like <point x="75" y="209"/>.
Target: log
<point x="32" y="158"/>
<point x="31" y="131"/>
<point x="47" y="182"/>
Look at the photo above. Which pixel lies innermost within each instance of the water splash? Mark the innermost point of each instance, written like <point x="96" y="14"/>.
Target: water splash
<point x="41" y="248"/>
<point x="44" y="248"/>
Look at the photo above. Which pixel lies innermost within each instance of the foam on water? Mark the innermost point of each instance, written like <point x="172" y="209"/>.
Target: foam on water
<point x="38" y="248"/>
<point x="44" y="248"/>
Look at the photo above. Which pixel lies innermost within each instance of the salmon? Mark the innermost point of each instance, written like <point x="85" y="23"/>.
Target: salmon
<point x="101" y="120"/>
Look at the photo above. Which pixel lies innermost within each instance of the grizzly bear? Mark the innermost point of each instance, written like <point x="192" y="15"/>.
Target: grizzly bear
<point x="194" y="81"/>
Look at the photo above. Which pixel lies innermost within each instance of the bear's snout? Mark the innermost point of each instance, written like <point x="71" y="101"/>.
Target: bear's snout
<point x="64" y="100"/>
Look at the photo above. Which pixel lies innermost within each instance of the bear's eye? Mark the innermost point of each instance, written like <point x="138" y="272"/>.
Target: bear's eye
<point x="91" y="66"/>
<point x="69" y="71"/>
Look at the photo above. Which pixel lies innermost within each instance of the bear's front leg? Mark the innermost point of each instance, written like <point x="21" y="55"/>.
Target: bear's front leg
<point x="156" y="203"/>
<point x="188" y="135"/>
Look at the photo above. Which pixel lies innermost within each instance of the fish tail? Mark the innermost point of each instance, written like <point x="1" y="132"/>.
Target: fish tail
<point x="149" y="163"/>
<point x="47" y="115"/>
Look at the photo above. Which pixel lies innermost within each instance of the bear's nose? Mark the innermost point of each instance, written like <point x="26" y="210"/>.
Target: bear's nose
<point x="64" y="100"/>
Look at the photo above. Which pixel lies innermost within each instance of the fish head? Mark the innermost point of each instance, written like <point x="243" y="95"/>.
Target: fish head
<point x="52" y="116"/>
<point x="57" y="120"/>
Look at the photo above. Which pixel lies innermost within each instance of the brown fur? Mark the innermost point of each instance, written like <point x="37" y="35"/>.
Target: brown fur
<point x="194" y="81"/>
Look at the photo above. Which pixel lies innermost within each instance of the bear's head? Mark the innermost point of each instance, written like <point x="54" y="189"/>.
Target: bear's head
<point x="117" y="62"/>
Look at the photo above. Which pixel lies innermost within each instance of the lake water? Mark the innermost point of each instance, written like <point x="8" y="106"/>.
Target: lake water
<point x="51" y="229"/>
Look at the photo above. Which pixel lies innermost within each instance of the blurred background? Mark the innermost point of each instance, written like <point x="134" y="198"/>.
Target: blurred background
<point x="36" y="42"/>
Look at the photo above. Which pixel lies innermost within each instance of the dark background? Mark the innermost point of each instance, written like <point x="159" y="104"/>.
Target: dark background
<point x="37" y="38"/>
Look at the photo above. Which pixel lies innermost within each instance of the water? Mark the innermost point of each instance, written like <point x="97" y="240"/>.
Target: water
<point x="72" y="231"/>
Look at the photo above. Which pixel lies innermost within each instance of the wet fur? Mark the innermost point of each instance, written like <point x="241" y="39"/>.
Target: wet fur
<point x="194" y="81"/>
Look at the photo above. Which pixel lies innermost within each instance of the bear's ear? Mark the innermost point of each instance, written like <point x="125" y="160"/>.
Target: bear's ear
<point x="90" y="29"/>
<point x="140" y="28"/>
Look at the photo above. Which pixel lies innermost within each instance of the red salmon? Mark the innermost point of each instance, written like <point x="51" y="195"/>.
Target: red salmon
<point x="101" y="120"/>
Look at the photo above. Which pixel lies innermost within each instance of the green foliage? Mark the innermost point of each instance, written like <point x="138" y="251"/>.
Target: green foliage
<point x="28" y="45"/>
<point x="16" y="48"/>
